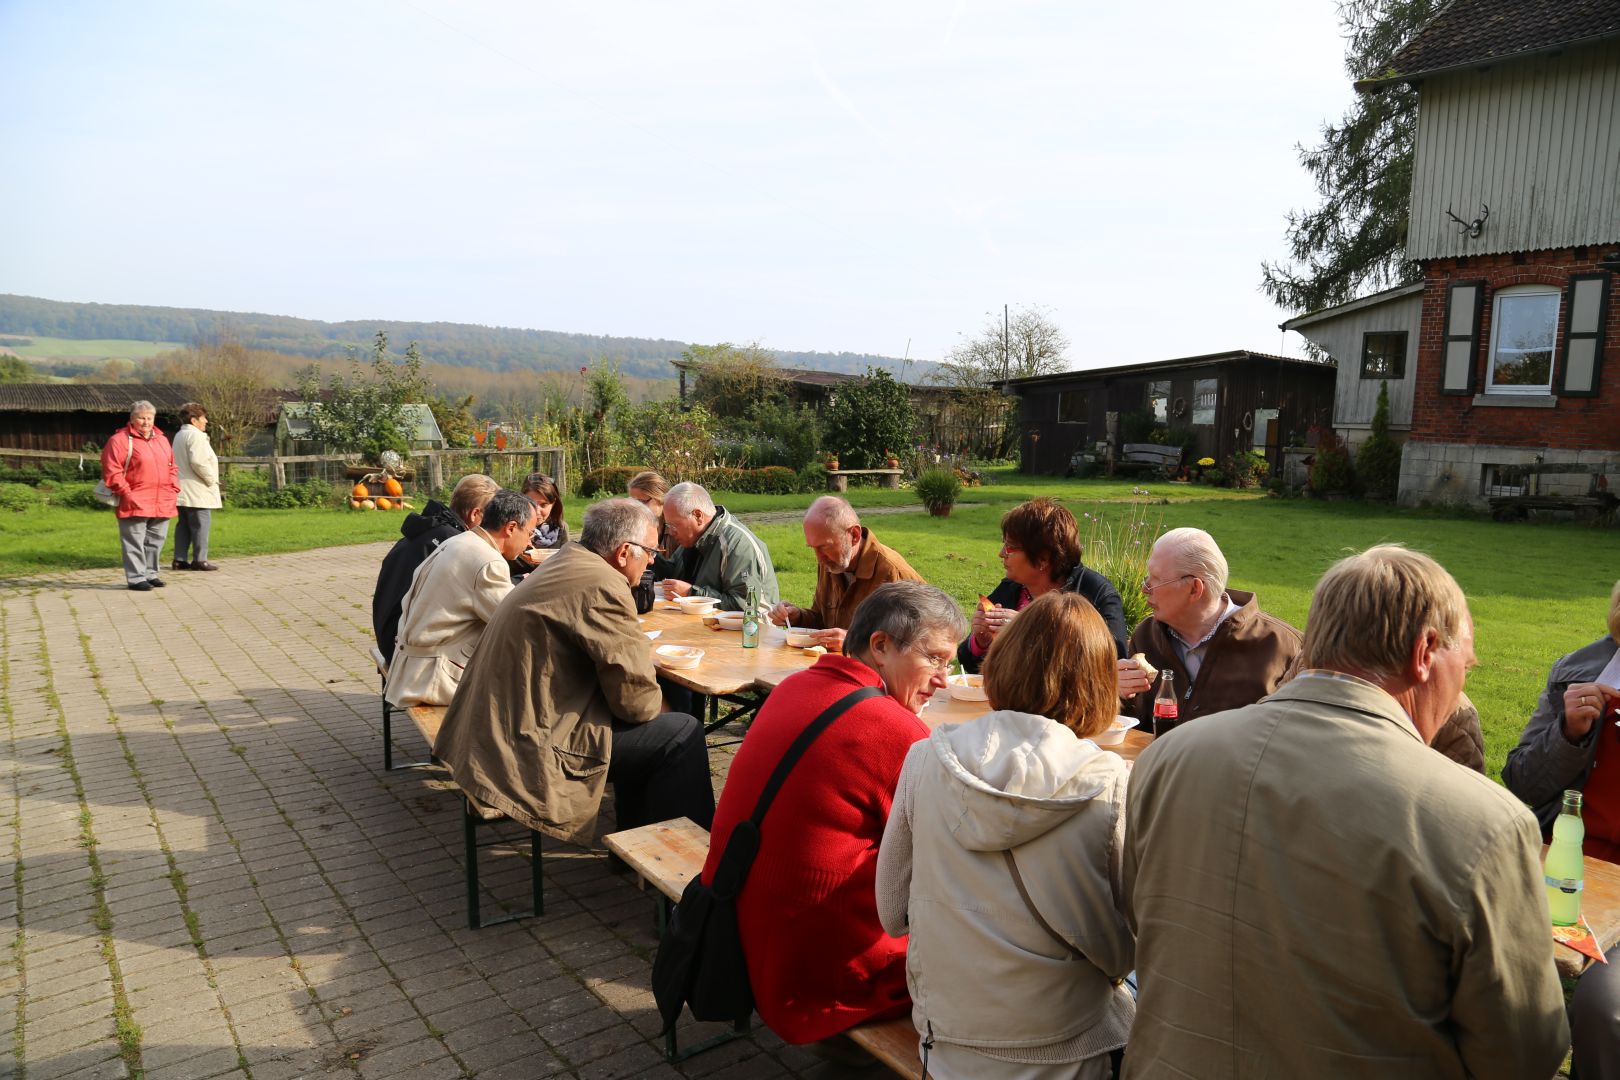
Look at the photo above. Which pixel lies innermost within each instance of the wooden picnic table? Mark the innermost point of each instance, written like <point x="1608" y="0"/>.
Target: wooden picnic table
<point x="1600" y="907"/>
<point x="726" y="667"/>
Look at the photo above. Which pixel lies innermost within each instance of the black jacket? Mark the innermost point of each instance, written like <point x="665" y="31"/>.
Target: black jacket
<point x="419" y="535"/>
<point x="1085" y="581"/>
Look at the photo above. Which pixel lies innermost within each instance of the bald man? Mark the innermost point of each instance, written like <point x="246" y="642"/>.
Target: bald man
<point x="850" y="563"/>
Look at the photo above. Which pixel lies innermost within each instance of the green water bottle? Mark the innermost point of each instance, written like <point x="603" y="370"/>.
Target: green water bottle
<point x="1565" y="869"/>
<point x="751" y="621"/>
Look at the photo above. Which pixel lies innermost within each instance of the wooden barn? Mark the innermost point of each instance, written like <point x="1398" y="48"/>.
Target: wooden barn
<point x="1220" y="403"/>
<point x="68" y="416"/>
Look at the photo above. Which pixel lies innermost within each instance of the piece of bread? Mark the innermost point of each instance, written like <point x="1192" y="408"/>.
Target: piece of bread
<point x="1141" y="661"/>
<point x="984" y="603"/>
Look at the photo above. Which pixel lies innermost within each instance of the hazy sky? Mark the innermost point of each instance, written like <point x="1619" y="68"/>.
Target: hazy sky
<point x="834" y="176"/>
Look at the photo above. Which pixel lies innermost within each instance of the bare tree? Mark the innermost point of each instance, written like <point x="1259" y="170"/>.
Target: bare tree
<point x="229" y="381"/>
<point x="1022" y="344"/>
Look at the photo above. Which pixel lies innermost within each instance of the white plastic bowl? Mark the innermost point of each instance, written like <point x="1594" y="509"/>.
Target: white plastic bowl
<point x="678" y="657"/>
<point x="1114" y="734"/>
<point x="800" y="639"/>
<point x="726" y="620"/>
<point x="696" y="605"/>
<point x="968" y="688"/>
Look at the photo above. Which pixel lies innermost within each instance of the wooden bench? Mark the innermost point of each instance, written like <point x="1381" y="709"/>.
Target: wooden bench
<point x="838" y="479"/>
<point x="1597" y="504"/>
<point x="428" y="719"/>
<point x="668" y="855"/>
<point x="388" y="714"/>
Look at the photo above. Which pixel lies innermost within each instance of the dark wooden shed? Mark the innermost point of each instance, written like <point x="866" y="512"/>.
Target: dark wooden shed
<point x="1228" y="401"/>
<point x="67" y="416"/>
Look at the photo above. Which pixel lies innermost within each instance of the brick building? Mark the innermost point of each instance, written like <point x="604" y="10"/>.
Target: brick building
<point x="1515" y="224"/>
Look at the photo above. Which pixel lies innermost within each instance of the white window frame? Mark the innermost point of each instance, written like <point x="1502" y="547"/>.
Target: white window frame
<point x="1544" y="390"/>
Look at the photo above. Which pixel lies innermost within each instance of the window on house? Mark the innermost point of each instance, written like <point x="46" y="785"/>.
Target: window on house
<point x="1524" y="327"/>
<point x="1383" y="355"/>
<point x="1159" y="402"/>
<point x="1074" y="406"/>
<point x="1502" y="480"/>
<point x="1205" y="394"/>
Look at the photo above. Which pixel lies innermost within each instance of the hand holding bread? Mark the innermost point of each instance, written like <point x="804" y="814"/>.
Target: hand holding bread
<point x="1136" y="675"/>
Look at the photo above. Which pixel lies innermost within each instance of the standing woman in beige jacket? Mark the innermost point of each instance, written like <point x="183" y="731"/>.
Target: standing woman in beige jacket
<point x="199" y="488"/>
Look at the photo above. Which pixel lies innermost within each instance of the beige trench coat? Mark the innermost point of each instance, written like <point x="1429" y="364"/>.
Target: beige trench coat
<point x="453" y="594"/>
<point x="1315" y="893"/>
<point x="530" y="730"/>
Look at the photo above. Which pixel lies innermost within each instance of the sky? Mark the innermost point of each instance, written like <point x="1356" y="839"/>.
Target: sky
<point x="863" y="177"/>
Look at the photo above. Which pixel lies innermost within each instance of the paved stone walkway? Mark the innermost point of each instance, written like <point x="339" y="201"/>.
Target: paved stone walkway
<point x="212" y="876"/>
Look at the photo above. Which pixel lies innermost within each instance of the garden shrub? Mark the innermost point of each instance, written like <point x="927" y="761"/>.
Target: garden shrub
<point x="1215" y="477"/>
<point x="1245" y="468"/>
<point x="938" y="487"/>
<point x="80" y="496"/>
<point x="1330" y="467"/>
<point x="251" y="491"/>
<point x="1378" y="462"/>
<point x="614" y="480"/>
<point x="16" y="498"/>
<point x="813" y="477"/>
<point x="1118" y="550"/>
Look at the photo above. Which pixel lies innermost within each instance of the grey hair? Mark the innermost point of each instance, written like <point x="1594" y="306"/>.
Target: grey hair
<point x="832" y="512"/>
<point x="613" y="522"/>
<point x="906" y="611"/>
<point x="1195" y="553"/>
<point x="685" y="497"/>
<point x="504" y="507"/>
<point x="140" y="407"/>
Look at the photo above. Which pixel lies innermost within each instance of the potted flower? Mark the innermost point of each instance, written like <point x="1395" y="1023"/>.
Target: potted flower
<point x="832" y="462"/>
<point x="1204" y="463"/>
<point x="889" y="460"/>
<point x="938" y="489"/>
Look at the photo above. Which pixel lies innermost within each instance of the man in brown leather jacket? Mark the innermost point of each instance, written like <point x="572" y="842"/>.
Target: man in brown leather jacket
<point x="1224" y="651"/>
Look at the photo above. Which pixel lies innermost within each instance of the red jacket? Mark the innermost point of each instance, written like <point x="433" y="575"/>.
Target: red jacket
<point x="818" y="958"/>
<point x="149" y="485"/>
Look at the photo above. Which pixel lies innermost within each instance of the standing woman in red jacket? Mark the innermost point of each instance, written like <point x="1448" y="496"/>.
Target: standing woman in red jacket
<point x="818" y="959"/>
<point x="137" y="465"/>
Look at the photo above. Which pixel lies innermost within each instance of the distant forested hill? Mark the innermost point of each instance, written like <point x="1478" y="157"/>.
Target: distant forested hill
<point x="490" y="348"/>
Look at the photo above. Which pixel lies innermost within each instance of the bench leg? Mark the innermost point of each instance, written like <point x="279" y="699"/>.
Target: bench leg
<point x="388" y="714"/>
<point x="673" y="1052"/>
<point x="537" y="899"/>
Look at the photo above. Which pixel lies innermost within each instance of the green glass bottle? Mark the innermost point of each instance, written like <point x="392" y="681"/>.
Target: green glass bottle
<point x="1565" y="869"/>
<point x="751" y="621"/>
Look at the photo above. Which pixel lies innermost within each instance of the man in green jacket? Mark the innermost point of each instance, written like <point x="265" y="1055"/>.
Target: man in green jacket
<point x="723" y="559"/>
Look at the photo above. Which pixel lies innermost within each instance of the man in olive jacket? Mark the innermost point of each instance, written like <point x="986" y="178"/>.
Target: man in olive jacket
<point x="725" y="560"/>
<point x="559" y="697"/>
<point x="1315" y="892"/>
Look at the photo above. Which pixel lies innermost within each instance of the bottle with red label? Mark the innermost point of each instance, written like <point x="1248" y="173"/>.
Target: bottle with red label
<point x="1166" y="712"/>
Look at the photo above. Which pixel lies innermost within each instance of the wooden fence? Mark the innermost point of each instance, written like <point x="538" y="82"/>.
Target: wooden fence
<point x="430" y="467"/>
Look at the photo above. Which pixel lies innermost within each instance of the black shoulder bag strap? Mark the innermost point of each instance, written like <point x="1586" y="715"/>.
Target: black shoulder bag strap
<point x="743" y="844"/>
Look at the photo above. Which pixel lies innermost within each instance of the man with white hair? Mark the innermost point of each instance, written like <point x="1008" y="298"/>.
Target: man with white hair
<point x="725" y="560"/>
<point x="850" y="564"/>
<point x="560" y="698"/>
<point x="1315" y="892"/>
<point x="1223" y="650"/>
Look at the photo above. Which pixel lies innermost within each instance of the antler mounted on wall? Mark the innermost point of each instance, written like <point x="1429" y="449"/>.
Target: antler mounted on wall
<point x="1472" y="228"/>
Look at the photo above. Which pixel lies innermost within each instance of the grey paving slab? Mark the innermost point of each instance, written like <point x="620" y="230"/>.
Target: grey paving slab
<point x="203" y="764"/>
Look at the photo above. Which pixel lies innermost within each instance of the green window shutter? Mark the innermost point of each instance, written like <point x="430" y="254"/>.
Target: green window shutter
<point x="1459" y="355"/>
<point x="1587" y="304"/>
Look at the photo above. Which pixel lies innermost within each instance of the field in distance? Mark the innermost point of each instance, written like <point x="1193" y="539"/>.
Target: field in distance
<point x="51" y="348"/>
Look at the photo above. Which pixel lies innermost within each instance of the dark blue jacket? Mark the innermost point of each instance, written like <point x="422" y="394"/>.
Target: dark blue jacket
<point x="1098" y="590"/>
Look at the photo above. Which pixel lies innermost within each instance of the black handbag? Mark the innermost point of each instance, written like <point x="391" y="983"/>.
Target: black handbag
<point x="700" y="959"/>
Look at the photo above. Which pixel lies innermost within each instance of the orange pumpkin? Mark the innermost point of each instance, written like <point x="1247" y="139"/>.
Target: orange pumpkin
<point x="354" y="504"/>
<point x="384" y="504"/>
<point x="392" y="487"/>
<point x="359" y="492"/>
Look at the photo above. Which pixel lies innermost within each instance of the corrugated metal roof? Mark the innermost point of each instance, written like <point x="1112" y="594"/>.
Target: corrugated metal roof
<point x="1471" y="33"/>
<point x="92" y="397"/>
<point x="1348" y="306"/>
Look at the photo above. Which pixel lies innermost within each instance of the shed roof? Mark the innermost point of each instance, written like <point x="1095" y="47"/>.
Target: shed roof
<point x="1474" y="33"/>
<point x="1321" y="314"/>
<point x="92" y="397"/>
<point x="800" y="376"/>
<point x="1035" y="382"/>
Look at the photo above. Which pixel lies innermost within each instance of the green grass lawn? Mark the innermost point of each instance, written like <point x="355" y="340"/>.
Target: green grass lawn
<point x="1536" y="591"/>
<point x="89" y="348"/>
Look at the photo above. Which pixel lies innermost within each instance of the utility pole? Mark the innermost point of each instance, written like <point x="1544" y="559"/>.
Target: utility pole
<point x="1004" y="340"/>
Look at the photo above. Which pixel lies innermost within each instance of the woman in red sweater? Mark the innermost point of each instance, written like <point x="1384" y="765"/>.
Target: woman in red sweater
<point x="818" y="958"/>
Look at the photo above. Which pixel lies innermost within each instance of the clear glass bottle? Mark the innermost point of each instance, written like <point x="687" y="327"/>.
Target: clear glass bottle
<point x="1166" y="710"/>
<point x="1565" y="869"/>
<point x="750" y="631"/>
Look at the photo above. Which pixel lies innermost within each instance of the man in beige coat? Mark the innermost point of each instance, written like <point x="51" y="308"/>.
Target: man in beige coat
<point x="453" y="595"/>
<point x="198" y="466"/>
<point x="1315" y="892"/>
<point x="560" y="697"/>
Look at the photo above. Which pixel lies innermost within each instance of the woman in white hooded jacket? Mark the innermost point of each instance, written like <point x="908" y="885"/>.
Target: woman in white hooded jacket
<point x="1001" y="858"/>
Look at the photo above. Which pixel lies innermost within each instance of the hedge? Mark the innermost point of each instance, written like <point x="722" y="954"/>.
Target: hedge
<point x="771" y="480"/>
<point x="613" y="480"/>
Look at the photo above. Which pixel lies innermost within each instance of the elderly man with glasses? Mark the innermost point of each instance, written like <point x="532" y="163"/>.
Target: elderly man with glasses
<point x="560" y="698"/>
<point x="1223" y="650"/>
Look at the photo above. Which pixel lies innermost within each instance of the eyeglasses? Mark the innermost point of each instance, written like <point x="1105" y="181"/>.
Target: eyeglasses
<point x="941" y="664"/>
<point x="652" y="553"/>
<point x="1148" y="586"/>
